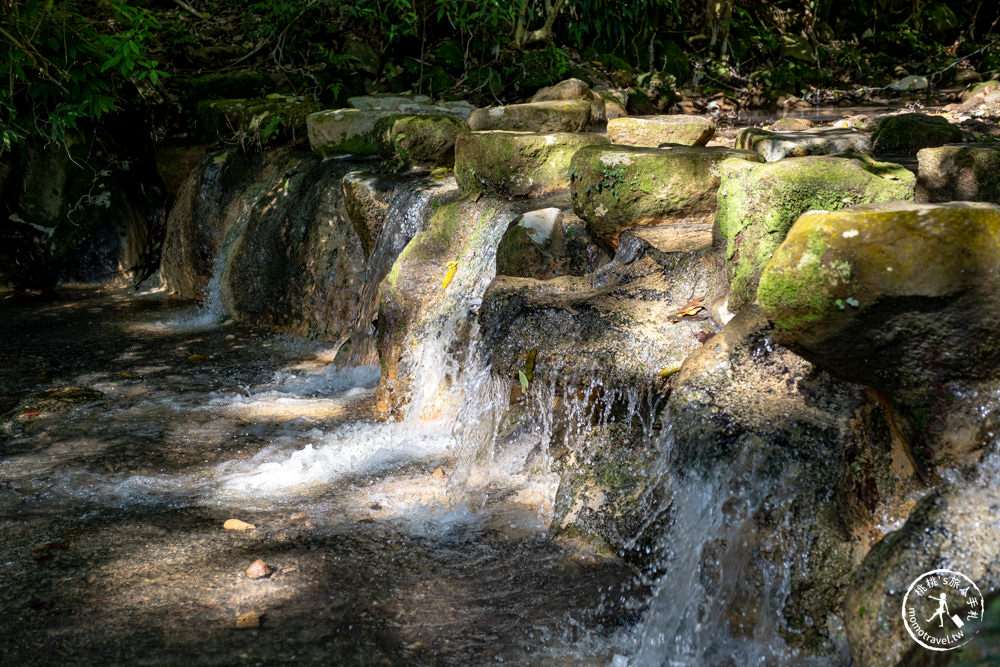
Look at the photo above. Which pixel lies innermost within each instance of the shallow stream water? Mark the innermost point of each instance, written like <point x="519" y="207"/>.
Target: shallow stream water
<point x="112" y="509"/>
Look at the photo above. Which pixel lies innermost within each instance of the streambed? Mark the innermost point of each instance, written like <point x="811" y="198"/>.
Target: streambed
<point x="112" y="509"/>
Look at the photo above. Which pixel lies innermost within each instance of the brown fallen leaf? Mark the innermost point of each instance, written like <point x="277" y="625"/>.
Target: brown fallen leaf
<point x="251" y="619"/>
<point x="692" y="307"/>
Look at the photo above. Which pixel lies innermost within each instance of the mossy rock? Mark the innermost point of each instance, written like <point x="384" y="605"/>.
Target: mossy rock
<point x="898" y="296"/>
<point x="257" y="121"/>
<point x="909" y="132"/>
<point x="340" y="131"/>
<point x="573" y="89"/>
<point x="414" y="139"/>
<point x="517" y="163"/>
<point x="774" y="146"/>
<point x="653" y="131"/>
<point x="970" y="172"/>
<point x="550" y="116"/>
<point x="615" y="188"/>
<point x="758" y="203"/>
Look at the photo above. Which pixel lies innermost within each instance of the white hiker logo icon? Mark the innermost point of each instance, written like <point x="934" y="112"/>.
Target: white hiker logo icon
<point x="927" y="600"/>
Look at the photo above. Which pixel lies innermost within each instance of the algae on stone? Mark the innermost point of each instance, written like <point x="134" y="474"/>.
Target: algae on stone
<point x="418" y="139"/>
<point x="517" y="163"/>
<point x="759" y="202"/>
<point x="899" y="296"/>
<point x="619" y="187"/>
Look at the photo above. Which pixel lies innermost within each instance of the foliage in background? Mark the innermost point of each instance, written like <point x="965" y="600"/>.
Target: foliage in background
<point x="69" y="62"/>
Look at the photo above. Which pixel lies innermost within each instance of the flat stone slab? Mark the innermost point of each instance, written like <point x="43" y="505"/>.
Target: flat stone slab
<point x="517" y="163"/>
<point x="773" y="146"/>
<point x="656" y="130"/>
<point x="549" y="116"/>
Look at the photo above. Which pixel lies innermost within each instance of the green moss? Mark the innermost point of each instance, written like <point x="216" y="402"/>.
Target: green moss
<point x="759" y="203"/>
<point x="428" y="139"/>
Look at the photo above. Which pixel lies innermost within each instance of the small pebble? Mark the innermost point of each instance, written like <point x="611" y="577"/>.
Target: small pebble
<point x="236" y="524"/>
<point x="259" y="569"/>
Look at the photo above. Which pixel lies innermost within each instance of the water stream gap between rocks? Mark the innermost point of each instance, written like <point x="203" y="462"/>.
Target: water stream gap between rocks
<point x="574" y="401"/>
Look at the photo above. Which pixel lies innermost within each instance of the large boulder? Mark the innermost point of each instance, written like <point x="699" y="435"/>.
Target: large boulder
<point x="909" y="132"/>
<point x="970" y="172"/>
<point x="898" y="296"/>
<point x="956" y="528"/>
<point x="759" y="202"/>
<point x="552" y="116"/>
<point x="548" y="243"/>
<point x="656" y="130"/>
<point x="517" y="163"/>
<point x="774" y="146"/>
<point x="418" y="139"/>
<point x="619" y="187"/>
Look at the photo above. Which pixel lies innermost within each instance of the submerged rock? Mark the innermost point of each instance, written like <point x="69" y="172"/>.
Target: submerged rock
<point x="517" y="163"/>
<point x="656" y="130"/>
<point x="899" y="296"/>
<point x="774" y="146"/>
<point x="970" y="172"/>
<point x="909" y="132"/>
<point x="759" y="202"/>
<point x="552" y="116"/>
<point x="416" y="139"/>
<point x="619" y="187"/>
<point x="548" y="243"/>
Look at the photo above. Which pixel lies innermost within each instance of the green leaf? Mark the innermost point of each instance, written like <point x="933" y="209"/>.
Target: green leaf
<point x="524" y="381"/>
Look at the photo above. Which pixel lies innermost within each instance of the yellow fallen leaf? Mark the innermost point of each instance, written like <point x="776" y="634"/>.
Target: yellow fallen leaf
<point x="452" y="268"/>
<point x="197" y="358"/>
<point x="691" y="308"/>
<point x="236" y="524"/>
<point x="669" y="370"/>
